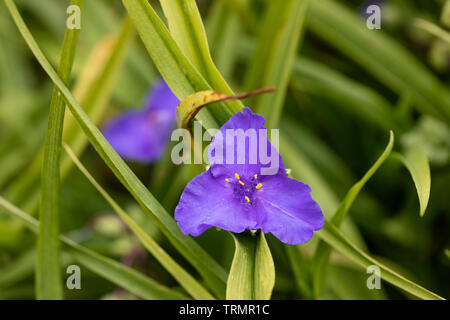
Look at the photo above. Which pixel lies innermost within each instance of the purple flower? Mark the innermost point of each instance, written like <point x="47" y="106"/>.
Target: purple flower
<point x="142" y="135"/>
<point x="236" y="197"/>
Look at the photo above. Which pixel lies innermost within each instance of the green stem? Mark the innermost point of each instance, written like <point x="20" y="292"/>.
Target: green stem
<point x="48" y="273"/>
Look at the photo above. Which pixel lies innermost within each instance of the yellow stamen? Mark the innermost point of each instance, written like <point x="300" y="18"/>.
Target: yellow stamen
<point x="227" y="180"/>
<point x="237" y="176"/>
<point x="259" y="185"/>
<point x="241" y="182"/>
<point x="246" y="198"/>
<point x="256" y="176"/>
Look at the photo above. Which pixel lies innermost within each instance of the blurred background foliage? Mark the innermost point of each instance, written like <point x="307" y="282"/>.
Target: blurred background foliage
<point x="347" y="89"/>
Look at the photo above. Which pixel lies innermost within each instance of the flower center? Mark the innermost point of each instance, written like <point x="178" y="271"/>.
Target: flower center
<point x="245" y="188"/>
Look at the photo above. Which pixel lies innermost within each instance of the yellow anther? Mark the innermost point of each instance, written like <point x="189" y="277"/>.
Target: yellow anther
<point x="237" y="176"/>
<point x="246" y="198"/>
<point x="241" y="182"/>
<point x="227" y="180"/>
<point x="256" y="176"/>
<point x="259" y="185"/>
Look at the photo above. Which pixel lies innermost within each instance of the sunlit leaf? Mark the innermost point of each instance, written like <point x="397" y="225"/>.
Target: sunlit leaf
<point x="416" y="162"/>
<point x="252" y="273"/>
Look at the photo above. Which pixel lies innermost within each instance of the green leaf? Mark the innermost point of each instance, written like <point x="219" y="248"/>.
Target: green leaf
<point x="210" y="270"/>
<point x="179" y="73"/>
<point x="337" y="240"/>
<point x="18" y="269"/>
<point x="432" y="29"/>
<point x="351" y="195"/>
<point x="380" y="55"/>
<point x="304" y="170"/>
<point x="363" y="102"/>
<point x="301" y="269"/>
<point x="246" y="16"/>
<point x="48" y="272"/>
<point x="416" y="162"/>
<point x="274" y="56"/>
<point x="323" y="251"/>
<point x="184" y="278"/>
<point x="320" y="153"/>
<point x="224" y="35"/>
<point x="445" y="14"/>
<point x="125" y="277"/>
<point x="252" y="273"/>
<point x="186" y="28"/>
<point x="93" y="88"/>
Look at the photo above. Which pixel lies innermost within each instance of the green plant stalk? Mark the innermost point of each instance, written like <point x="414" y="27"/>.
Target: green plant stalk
<point x="123" y="276"/>
<point x="210" y="270"/>
<point x="184" y="278"/>
<point x="48" y="273"/>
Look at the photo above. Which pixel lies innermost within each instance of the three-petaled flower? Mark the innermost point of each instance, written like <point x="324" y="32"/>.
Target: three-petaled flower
<point x="142" y="135"/>
<point x="236" y="197"/>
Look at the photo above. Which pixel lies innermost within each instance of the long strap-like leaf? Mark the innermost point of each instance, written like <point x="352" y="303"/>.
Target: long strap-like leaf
<point x="123" y="276"/>
<point x="337" y="240"/>
<point x="323" y="251"/>
<point x="211" y="271"/>
<point x="274" y="55"/>
<point x="380" y="55"/>
<point x="48" y="273"/>
<point x="186" y="27"/>
<point x="179" y="273"/>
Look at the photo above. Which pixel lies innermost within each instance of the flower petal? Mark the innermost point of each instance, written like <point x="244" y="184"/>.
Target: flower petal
<point x="142" y="135"/>
<point x="206" y="203"/>
<point x="285" y="209"/>
<point x="247" y="158"/>
<point x="162" y="98"/>
<point x="138" y="136"/>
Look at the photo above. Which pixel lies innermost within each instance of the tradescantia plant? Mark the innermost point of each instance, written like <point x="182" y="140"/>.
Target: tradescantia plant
<point x="247" y="197"/>
<point x="239" y="196"/>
